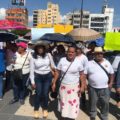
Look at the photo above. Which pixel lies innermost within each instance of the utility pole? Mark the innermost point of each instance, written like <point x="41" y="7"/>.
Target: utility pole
<point x="81" y="14"/>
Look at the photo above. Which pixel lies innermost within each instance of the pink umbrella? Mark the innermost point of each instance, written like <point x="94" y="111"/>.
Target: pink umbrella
<point x="20" y="27"/>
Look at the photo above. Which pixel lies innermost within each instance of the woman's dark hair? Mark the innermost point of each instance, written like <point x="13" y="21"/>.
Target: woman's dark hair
<point x="73" y="46"/>
<point x="36" y="48"/>
<point x="78" y="48"/>
<point x="61" y="49"/>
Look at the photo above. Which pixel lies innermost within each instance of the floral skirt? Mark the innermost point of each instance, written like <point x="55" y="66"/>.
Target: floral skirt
<point x="69" y="100"/>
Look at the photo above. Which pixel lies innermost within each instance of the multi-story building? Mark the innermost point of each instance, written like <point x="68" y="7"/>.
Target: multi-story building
<point x="74" y="18"/>
<point x="100" y="22"/>
<point x="49" y="16"/>
<point x="19" y="15"/>
<point x="39" y="16"/>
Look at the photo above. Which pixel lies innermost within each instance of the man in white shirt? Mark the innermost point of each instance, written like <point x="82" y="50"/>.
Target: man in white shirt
<point x="84" y="61"/>
<point x="100" y="79"/>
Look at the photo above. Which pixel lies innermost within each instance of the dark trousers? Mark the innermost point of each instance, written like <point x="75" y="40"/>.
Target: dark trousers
<point x="117" y="85"/>
<point x="8" y="83"/>
<point x="103" y="95"/>
<point x="43" y="83"/>
<point x="19" y="90"/>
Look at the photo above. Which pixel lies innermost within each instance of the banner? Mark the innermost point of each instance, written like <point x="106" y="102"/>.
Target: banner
<point x="112" y="41"/>
<point x="18" y="2"/>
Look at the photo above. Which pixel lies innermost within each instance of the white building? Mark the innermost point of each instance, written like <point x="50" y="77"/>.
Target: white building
<point x="74" y="18"/>
<point x="100" y="22"/>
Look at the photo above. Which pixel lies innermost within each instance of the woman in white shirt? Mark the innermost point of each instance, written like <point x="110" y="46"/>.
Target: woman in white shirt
<point x="21" y="61"/>
<point x="70" y="87"/>
<point x="41" y="77"/>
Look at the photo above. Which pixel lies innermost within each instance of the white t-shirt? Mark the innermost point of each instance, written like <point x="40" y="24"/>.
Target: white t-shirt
<point x="116" y="62"/>
<point x="73" y="74"/>
<point x="97" y="78"/>
<point x="83" y="59"/>
<point x="20" y="60"/>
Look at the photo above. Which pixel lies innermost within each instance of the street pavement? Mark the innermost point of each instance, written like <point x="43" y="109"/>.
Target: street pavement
<point x="25" y="112"/>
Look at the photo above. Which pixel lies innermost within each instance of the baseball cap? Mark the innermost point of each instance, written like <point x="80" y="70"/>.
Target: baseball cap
<point x="22" y="44"/>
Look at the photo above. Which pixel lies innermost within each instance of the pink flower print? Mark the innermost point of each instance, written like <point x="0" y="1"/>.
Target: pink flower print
<point x="70" y="102"/>
<point x="74" y="101"/>
<point x="73" y="90"/>
<point x="76" y="112"/>
<point x="78" y="86"/>
<point x="76" y="105"/>
<point x="62" y="104"/>
<point x="62" y="87"/>
<point x="69" y="91"/>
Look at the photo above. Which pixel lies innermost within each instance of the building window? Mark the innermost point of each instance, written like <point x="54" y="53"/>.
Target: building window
<point x="35" y="11"/>
<point x="49" y="6"/>
<point x="35" y="15"/>
<point x="97" y="24"/>
<point x="98" y="19"/>
<point x="49" y="10"/>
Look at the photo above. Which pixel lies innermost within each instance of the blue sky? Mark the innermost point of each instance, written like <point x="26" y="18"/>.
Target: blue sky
<point x="94" y="6"/>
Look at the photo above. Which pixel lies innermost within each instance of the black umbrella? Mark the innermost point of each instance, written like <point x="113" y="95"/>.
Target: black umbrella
<point x="57" y="37"/>
<point x="7" y="36"/>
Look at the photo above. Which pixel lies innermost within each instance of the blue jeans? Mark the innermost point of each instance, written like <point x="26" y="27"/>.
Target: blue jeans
<point x="43" y="83"/>
<point x="19" y="90"/>
<point x="1" y="85"/>
<point x="103" y="95"/>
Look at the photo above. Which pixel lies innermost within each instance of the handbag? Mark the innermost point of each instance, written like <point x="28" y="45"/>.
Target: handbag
<point x="58" y="83"/>
<point x="17" y="73"/>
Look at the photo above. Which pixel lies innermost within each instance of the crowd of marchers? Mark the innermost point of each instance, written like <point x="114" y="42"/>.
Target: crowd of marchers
<point x="67" y="70"/>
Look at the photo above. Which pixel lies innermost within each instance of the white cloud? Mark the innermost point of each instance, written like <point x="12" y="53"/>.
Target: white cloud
<point x="2" y="13"/>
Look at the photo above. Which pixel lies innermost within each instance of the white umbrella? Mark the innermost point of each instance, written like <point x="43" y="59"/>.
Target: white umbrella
<point x="84" y="34"/>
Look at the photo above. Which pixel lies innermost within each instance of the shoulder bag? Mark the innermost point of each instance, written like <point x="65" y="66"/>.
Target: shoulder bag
<point x="17" y="73"/>
<point x="55" y="94"/>
<point x="102" y="68"/>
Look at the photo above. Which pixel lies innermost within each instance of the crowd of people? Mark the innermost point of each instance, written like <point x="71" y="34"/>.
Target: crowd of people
<point x="44" y="67"/>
